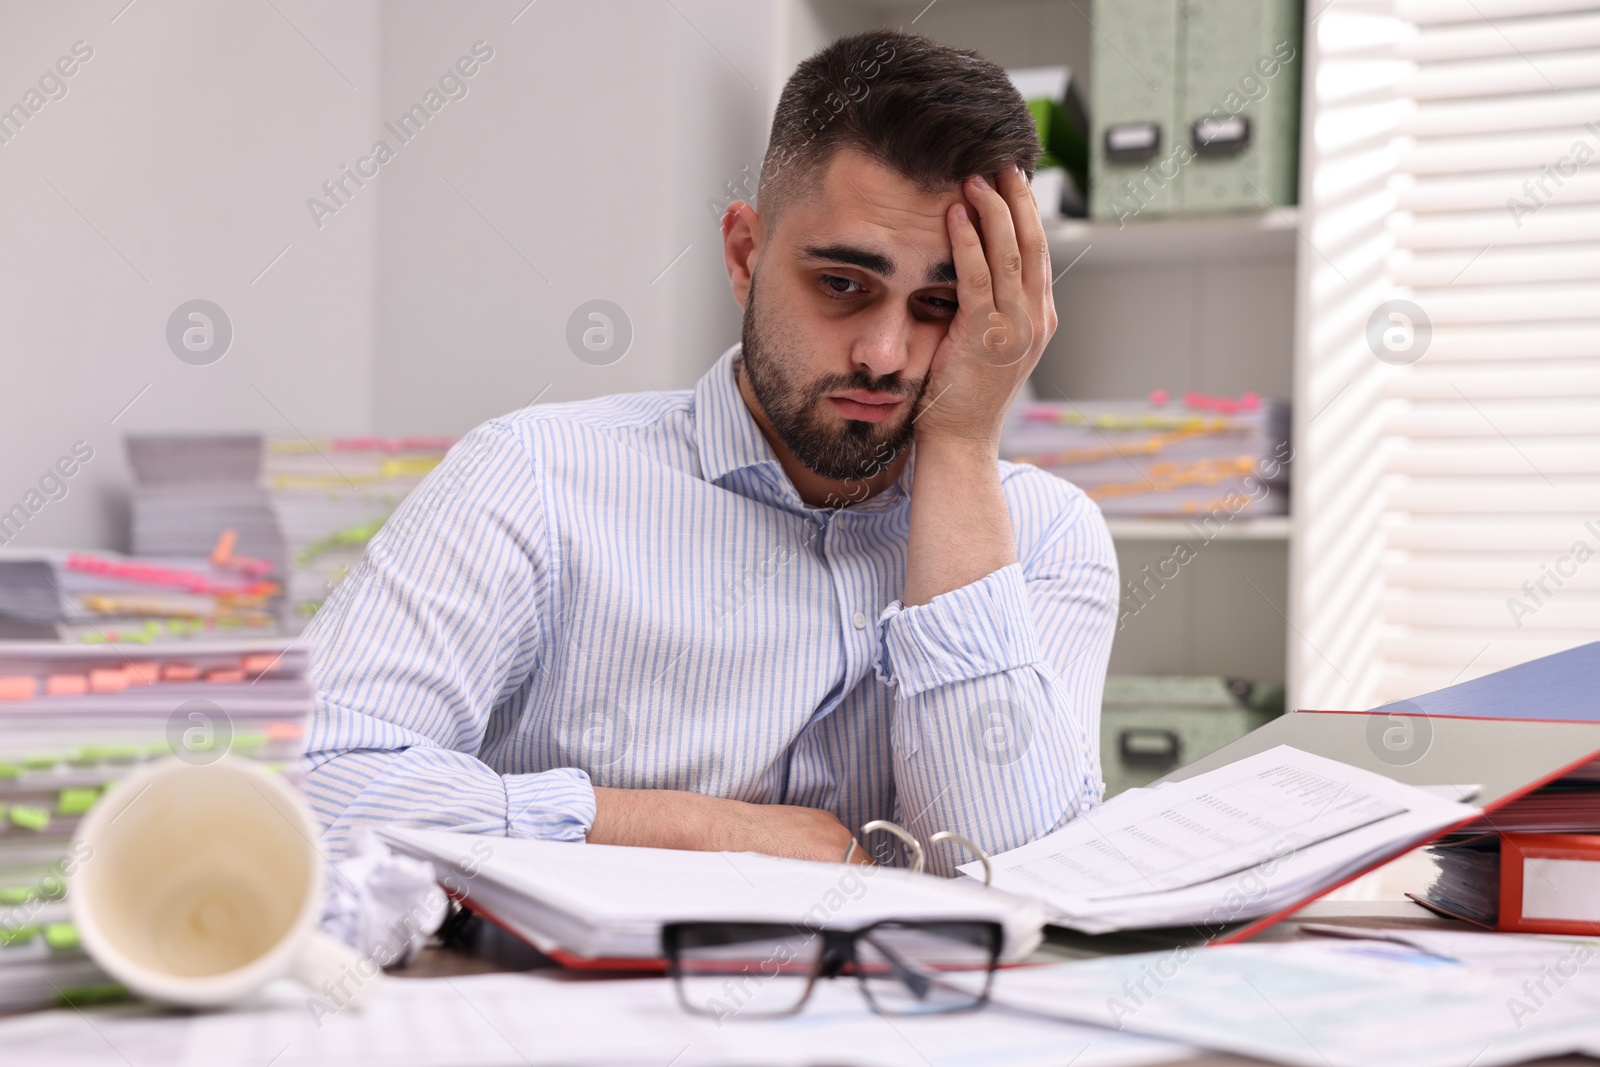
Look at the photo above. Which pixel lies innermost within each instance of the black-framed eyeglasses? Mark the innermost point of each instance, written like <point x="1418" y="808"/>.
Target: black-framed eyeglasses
<point x="756" y="970"/>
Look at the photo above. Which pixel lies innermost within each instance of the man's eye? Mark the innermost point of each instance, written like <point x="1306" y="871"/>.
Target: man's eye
<point x="841" y="286"/>
<point x="941" y="303"/>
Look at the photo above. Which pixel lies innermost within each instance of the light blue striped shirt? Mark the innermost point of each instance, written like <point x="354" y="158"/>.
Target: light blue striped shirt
<point x="629" y="592"/>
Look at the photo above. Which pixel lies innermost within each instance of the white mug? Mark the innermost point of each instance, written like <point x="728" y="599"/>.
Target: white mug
<point x="198" y="885"/>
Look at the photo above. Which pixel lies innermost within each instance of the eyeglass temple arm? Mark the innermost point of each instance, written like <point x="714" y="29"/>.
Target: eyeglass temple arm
<point x="909" y="976"/>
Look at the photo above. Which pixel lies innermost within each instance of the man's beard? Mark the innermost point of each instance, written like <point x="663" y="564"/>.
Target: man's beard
<point x="860" y="450"/>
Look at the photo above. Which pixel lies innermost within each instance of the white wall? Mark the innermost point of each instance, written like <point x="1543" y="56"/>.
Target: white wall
<point x="584" y="151"/>
<point x="577" y="169"/>
<point x="175" y="168"/>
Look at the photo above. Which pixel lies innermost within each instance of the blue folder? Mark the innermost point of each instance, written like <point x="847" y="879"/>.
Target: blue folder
<point x="1564" y="687"/>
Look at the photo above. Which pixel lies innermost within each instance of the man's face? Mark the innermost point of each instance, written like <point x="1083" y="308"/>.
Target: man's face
<point x="856" y="290"/>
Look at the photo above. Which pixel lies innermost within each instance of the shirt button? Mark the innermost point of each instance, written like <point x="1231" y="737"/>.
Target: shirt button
<point x="860" y="620"/>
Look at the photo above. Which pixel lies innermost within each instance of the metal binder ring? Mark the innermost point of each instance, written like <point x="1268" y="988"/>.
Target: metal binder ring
<point x="966" y="843"/>
<point x="918" y="860"/>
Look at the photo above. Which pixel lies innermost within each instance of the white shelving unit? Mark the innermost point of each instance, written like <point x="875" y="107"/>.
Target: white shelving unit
<point x="1204" y="303"/>
<point x="1269" y="528"/>
<point x="1217" y="238"/>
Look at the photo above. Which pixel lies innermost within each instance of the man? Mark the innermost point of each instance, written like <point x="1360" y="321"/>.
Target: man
<point x="802" y="596"/>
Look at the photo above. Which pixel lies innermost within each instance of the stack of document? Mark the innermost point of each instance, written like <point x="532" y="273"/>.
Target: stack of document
<point x="98" y="597"/>
<point x="307" y="506"/>
<point x="1568" y="805"/>
<point x="1139" y="459"/>
<point x="598" y="902"/>
<point x="74" y="719"/>
<point x="1238" y="843"/>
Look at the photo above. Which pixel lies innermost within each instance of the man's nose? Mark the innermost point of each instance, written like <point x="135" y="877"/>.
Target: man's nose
<point x="884" y="347"/>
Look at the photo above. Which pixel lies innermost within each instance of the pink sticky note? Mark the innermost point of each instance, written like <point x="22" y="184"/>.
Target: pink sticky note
<point x="107" y="681"/>
<point x="18" y="686"/>
<point x="142" y="672"/>
<point x="224" y="675"/>
<point x="179" y="672"/>
<point x="66" y="685"/>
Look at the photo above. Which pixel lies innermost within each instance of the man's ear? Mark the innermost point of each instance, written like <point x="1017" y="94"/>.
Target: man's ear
<point x="742" y="237"/>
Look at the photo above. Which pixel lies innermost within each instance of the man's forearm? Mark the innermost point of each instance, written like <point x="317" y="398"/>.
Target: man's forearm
<point x="960" y="527"/>
<point x="671" y="818"/>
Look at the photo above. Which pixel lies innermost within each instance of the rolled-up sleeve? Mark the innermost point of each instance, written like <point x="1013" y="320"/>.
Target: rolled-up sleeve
<point x="998" y="684"/>
<point x="437" y="627"/>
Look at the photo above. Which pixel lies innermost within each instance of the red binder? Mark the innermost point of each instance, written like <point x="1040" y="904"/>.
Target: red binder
<point x="1550" y="883"/>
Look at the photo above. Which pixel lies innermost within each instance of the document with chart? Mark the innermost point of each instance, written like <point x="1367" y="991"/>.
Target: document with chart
<point x="1231" y="845"/>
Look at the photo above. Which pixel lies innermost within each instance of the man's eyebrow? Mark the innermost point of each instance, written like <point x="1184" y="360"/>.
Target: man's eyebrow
<point x="875" y="262"/>
<point x="879" y="264"/>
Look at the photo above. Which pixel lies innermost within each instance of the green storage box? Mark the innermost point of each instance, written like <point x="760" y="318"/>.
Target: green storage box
<point x="1152" y="725"/>
<point x="1196" y="107"/>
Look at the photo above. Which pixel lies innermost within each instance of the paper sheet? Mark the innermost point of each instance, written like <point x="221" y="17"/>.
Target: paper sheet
<point x="532" y="1020"/>
<point x="1333" y="1004"/>
<point x="1165" y="856"/>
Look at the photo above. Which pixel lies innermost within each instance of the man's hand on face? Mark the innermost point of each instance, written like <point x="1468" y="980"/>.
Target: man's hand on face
<point x="1005" y="318"/>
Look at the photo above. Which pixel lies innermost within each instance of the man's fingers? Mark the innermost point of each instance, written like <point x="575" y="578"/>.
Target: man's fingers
<point x="974" y="286"/>
<point x="1030" y="231"/>
<point x="999" y="240"/>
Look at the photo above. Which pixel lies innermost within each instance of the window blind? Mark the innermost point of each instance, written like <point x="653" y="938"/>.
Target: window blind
<point x="1450" y="482"/>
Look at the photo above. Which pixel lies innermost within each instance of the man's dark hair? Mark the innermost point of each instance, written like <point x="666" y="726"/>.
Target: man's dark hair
<point x="932" y="113"/>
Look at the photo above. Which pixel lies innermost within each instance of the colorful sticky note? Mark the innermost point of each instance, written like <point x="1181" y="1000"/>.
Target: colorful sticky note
<point x="61" y="936"/>
<point x="66" y="685"/>
<point x="142" y="672"/>
<point x="76" y="800"/>
<point x="179" y="672"/>
<point x="78" y="996"/>
<point x="29" y="817"/>
<point x="108" y="681"/>
<point x="17" y="935"/>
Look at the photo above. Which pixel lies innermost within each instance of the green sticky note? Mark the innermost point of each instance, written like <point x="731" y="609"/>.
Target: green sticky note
<point x="78" y="996"/>
<point x="40" y="763"/>
<point x="29" y="817"/>
<point x="12" y="895"/>
<point x="76" y="801"/>
<point x="9" y="770"/>
<point x="17" y="935"/>
<point x="61" y="936"/>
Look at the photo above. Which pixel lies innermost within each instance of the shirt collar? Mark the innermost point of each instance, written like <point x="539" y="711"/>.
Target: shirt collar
<point x="729" y="440"/>
<point x="725" y="432"/>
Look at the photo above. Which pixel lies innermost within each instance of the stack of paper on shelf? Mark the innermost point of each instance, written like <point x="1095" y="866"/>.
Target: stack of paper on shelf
<point x="74" y="719"/>
<point x="599" y="902"/>
<point x="1203" y="457"/>
<point x="307" y="506"/>
<point x="1237" y="843"/>
<point x="99" y="597"/>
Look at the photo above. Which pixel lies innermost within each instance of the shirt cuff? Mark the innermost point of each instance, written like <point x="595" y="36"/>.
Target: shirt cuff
<point x="980" y="629"/>
<point x="553" y="805"/>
